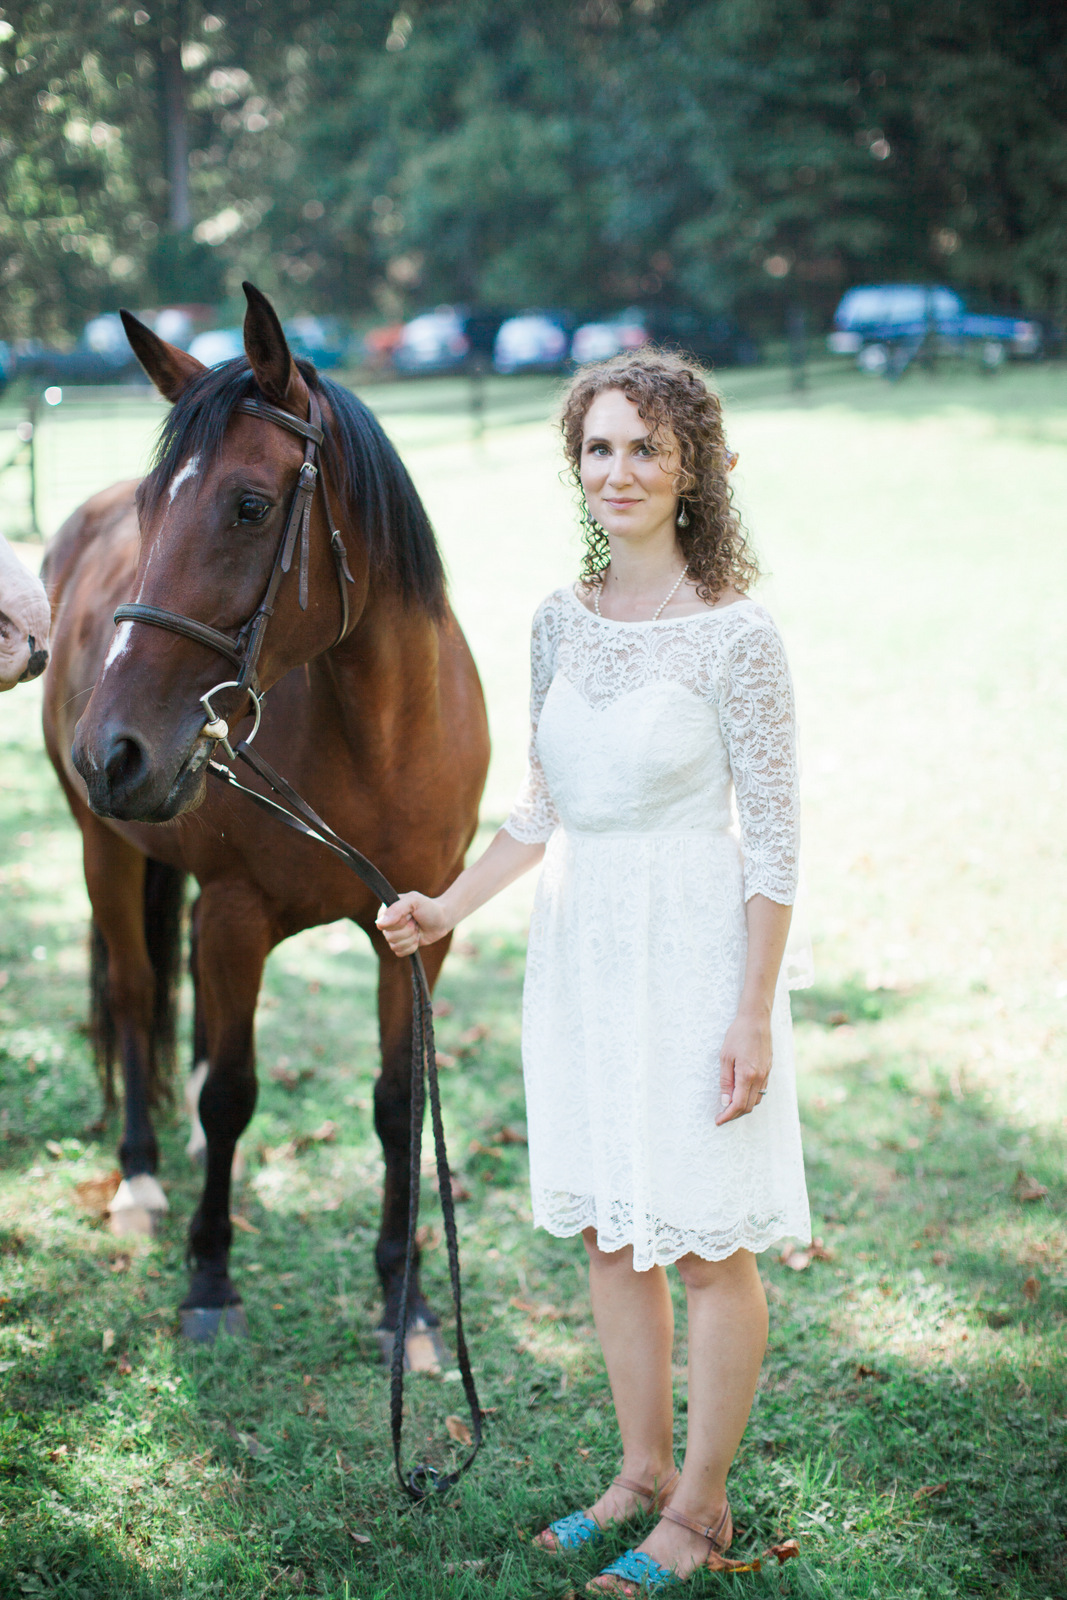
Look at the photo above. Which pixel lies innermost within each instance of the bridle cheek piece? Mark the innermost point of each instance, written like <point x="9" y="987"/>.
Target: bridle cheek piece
<point x="244" y="651"/>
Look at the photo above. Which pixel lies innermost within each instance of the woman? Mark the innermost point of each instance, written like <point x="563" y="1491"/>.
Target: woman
<point x="657" y="1050"/>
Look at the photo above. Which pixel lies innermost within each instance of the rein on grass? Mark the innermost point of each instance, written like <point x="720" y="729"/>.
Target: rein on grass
<point x="422" y="1481"/>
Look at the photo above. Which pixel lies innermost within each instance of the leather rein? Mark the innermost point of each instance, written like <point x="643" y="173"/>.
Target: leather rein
<point x="422" y="1481"/>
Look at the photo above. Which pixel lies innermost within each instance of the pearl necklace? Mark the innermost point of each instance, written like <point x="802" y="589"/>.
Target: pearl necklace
<point x="663" y="603"/>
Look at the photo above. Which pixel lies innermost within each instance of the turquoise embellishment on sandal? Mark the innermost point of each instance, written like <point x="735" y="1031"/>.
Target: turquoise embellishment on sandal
<point x="575" y="1530"/>
<point x="636" y="1567"/>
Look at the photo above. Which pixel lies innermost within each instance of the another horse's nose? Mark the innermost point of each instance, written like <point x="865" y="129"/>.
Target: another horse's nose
<point x="36" y="664"/>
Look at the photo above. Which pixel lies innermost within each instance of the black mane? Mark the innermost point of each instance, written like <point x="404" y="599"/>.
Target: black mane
<point x="370" y="476"/>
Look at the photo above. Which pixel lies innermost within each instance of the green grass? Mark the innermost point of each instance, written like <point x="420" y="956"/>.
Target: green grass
<point x="913" y="536"/>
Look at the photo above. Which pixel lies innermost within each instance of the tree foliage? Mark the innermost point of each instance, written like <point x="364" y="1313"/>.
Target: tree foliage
<point x="734" y="154"/>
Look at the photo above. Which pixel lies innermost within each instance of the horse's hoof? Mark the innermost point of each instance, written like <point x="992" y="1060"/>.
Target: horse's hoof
<point x="137" y="1207"/>
<point x="203" y="1324"/>
<point x="424" y="1349"/>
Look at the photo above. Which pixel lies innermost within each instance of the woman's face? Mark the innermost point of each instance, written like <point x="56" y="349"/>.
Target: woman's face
<point x="628" y="478"/>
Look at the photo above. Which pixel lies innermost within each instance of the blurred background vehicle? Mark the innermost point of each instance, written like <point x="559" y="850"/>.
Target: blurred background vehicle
<point x="713" y="341"/>
<point x="533" y="341"/>
<point x="218" y="345"/>
<point x="885" y="326"/>
<point x="448" y="339"/>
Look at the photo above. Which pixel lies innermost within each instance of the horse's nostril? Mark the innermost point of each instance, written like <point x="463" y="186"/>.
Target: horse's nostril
<point x="35" y="666"/>
<point x="124" y="764"/>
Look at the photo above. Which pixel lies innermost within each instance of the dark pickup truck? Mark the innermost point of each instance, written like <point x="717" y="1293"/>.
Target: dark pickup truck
<point x="886" y="326"/>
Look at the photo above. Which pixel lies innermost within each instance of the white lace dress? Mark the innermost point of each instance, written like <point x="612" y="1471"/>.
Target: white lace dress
<point x="641" y="735"/>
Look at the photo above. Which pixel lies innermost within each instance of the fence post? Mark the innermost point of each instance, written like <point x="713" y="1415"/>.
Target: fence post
<point x="477" y="398"/>
<point x="31" y="419"/>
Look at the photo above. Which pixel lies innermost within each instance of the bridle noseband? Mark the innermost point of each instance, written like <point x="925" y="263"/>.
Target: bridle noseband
<point x="245" y="650"/>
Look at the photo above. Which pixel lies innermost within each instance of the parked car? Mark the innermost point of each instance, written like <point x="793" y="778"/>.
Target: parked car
<point x="533" y="341"/>
<point x="449" y="339"/>
<point x="218" y="345"/>
<point x="713" y="341"/>
<point x="886" y="325"/>
<point x="322" y="340"/>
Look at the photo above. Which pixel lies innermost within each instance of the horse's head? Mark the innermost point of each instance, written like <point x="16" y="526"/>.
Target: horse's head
<point x="215" y="515"/>
<point x="25" y="620"/>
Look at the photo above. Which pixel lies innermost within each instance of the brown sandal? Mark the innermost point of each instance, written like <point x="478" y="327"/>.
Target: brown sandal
<point x="580" y="1528"/>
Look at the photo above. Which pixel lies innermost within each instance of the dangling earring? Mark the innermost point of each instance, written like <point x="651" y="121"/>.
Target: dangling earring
<point x="683" y="515"/>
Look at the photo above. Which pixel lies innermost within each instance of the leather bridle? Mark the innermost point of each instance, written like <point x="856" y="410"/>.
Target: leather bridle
<point x="422" y="1481"/>
<point x="244" y="651"/>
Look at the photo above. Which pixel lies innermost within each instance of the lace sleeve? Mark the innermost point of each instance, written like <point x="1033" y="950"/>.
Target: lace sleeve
<point x="534" y="818"/>
<point x="758" y="718"/>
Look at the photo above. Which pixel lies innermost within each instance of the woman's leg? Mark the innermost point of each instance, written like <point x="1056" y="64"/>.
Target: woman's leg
<point x="635" y="1324"/>
<point x="727" y="1339"/>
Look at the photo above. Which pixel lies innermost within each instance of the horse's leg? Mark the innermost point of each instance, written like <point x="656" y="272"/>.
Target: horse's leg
<point x="197" y="1144"/>
<point x="234" y="939"/>
<point x="115" y="878"/>
<point x="392" y="1120"/>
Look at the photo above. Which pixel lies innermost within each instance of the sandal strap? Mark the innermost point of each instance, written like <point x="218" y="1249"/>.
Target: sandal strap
<point x="718" y="1536"/>
<point x="658" y="1497"/>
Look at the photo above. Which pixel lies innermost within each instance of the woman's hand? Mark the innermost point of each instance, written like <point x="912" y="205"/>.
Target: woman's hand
<point x="413" y="920"/>
<point x="744" y="1064"/>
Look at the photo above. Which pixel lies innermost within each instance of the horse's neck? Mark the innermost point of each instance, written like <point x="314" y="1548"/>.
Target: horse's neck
<point x="382" y="682"/>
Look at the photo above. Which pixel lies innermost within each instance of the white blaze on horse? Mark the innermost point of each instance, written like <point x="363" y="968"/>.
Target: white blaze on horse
<point x="25" y="621"/>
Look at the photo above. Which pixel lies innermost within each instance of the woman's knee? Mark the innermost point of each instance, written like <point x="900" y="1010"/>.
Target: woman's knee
<point x="696" y="1273"/>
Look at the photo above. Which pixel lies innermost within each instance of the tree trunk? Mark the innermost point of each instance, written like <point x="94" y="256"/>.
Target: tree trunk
<point x="175" y="119"/>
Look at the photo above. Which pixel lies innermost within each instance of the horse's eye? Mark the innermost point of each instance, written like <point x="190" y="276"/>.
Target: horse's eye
<point x="252" y="508"/>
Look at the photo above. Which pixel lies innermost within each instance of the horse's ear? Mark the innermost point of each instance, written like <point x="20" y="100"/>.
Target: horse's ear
<point x="269" y="356"/>
<point x="169" y="368"/>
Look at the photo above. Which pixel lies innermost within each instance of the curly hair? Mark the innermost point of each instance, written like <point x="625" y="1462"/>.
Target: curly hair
<point x="672" y="396"/>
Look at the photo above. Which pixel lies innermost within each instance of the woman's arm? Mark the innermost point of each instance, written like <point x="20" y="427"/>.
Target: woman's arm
<point x="745" y="1058"/>
<point x="416" y="919"/>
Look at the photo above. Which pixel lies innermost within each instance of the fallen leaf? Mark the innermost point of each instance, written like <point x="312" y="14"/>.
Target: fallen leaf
<point x="427" y="1237"/>
<point x="458" y="1430"/>
<point x="785" y="1551"/>
<point x="123" y="1366"/>
<point x="1032" y="1287"/>
<point x="443" y="1008"/>
<point x="540" y="1312"/>
<point x="514" y="1133"/>
<point x="445" y="1061"/>
<point x="153" y="1272"/>
<point x="108" y="1340"/>
<point x="585" y="1454"/>
<point x="325" y="1133"/>
<point x="96" y="1194"/>
<point x="1026" y="1188"/>
<point x="799" y="1259"/>
<point x="838" y="1019"/>
<point x="344" y="1465"/>
<point x="252" y="1445"/>
<point x="939" y="1258"/>
<point x="473" y="1036"/>
<point x="285" y="1076"/>
<point x="359" y="1538"/>
<point x="863" y="1371"/>
<point x="54" y="1148"/>
<point x="928" y="1491"/>
<point x="452" y="1567"/>
<point x="243" y="1223"/>
<point x="58" y="1453"/>
<point x="121" y="1263"/>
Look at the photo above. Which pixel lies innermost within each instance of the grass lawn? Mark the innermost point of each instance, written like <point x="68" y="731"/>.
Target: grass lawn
<point x="911" y="1419"/>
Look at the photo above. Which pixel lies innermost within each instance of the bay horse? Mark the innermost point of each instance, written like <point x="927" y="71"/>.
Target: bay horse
<point x="375" y="714"/>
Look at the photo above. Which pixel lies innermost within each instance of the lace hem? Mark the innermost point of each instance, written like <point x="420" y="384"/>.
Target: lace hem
<point x="659" y="1243"/>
